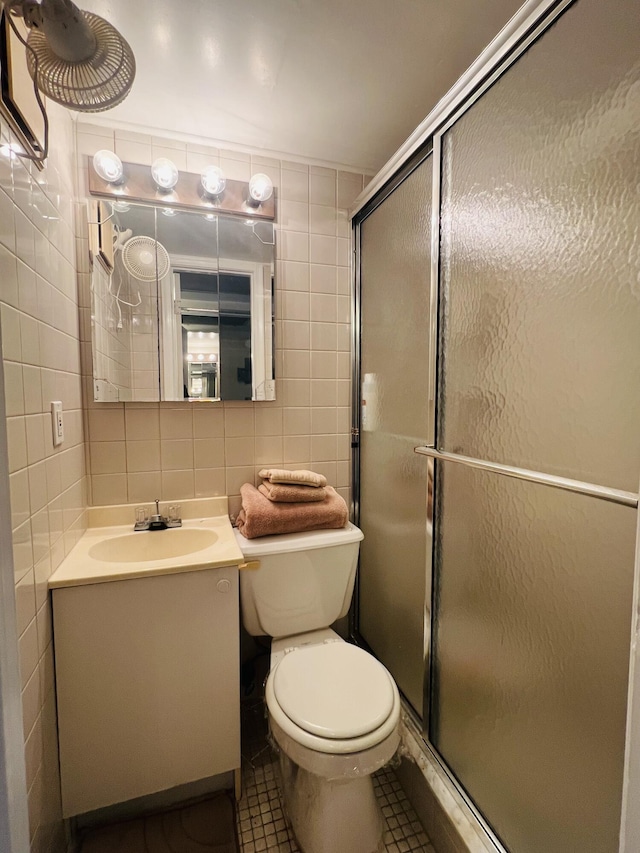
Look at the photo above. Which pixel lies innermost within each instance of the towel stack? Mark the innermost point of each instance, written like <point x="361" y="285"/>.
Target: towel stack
<point x="289" y="502"/>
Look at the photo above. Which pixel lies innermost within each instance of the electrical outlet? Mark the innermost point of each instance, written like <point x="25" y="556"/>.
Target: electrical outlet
<point x="57" y="422"/>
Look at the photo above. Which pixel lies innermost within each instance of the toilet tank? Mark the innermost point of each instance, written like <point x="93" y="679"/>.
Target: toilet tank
<point x="304" y="582"/>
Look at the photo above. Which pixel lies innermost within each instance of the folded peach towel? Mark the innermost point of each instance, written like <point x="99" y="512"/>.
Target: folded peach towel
<point x="281" y="493"/>
<point x="301" y="477"/>
<point x="261" y="517"/>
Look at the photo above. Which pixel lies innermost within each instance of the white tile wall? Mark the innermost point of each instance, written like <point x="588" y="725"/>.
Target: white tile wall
<point x="140" y="451"/>
<point x="41" y="361"/>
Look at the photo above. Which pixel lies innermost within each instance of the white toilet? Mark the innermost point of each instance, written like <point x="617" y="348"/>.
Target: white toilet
<point x="334" y="709"/>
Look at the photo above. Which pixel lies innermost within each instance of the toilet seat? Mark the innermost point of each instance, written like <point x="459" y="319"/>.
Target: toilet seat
<point x="334" y="690"/>
<point x="333" y="698"/>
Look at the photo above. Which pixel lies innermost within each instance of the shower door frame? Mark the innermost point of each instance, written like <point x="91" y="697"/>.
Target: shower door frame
<point x="526" y="26"/>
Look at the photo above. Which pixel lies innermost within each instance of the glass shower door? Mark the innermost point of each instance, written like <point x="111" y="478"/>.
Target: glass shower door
<point x="395" y="368"/>
<point x="539" y="372"/>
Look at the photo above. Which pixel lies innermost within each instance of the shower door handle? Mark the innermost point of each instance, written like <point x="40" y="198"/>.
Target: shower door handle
<point x="617" y="496"/>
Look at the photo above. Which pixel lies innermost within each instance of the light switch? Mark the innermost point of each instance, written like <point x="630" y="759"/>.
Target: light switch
<point x="57" y="422"/>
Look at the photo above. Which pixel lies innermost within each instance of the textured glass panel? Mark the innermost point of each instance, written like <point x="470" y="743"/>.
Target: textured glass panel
<point x="531" y="653"/>
<point x="395" y="271"/>
<point x="541" y="256"/>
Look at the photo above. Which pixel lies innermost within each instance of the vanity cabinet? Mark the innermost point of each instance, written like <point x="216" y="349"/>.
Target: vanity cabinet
<point x="147" y="679"/>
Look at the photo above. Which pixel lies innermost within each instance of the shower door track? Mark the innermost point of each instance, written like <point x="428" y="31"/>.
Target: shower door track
<point x="413" y="725"/>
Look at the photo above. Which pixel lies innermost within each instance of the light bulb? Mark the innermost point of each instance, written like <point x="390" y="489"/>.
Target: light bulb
<point x="212" y="357"/>
<point x="108" y="166"/>
<point x="200" y="356"/>
<point x="164" y="173"/>
<point x="260" y="187"/>
<point x="213" y="180"/>
<point x="189" y="357"/>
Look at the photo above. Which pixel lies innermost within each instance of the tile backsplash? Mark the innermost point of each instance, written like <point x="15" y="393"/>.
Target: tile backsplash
<point x="140" y="451"/>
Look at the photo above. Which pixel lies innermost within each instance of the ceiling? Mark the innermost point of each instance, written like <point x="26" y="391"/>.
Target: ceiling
<point x="342" y="82"/>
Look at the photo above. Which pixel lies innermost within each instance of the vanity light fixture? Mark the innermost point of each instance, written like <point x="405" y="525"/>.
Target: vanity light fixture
<point x="108" y="166"/>
<point x="260" y="188"/>
<point x="213" y="181"/>
<point x="164" y="173"/>
<point x="172" y="191"/>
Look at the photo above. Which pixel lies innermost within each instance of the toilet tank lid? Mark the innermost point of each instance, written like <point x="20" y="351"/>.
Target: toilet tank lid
<point x="306" y="541"/>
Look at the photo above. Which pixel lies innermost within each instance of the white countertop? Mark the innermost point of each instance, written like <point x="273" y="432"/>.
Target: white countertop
<point x="81" y="566"/>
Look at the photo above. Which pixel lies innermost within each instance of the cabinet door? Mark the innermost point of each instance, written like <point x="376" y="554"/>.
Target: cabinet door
<point x="147" y="673"/>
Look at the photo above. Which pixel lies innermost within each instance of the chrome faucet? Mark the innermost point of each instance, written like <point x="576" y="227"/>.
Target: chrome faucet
<point x="157" y="521"/>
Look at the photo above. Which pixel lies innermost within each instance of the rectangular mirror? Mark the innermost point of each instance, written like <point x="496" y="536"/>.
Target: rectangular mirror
<point x="185" y="310"/>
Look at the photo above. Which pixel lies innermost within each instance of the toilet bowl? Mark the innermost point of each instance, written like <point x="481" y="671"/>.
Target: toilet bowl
<point x="334" y="709"/>
<point x="332" y="697"/>
<point x="334" y="713"/>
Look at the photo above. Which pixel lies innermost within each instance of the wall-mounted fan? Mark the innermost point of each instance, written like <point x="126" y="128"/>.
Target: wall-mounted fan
<point x="75" y="58"/>
<point x="144" y="258"/>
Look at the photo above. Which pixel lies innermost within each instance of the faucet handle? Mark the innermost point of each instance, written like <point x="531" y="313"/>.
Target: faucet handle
<point x="142" y="518"/>
<point x="174" y="516"/>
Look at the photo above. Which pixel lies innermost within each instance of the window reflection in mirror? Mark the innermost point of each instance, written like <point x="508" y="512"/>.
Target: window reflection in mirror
<point x="203" y="330"/>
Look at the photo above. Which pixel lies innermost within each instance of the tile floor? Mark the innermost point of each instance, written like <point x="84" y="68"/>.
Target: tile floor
<point x="205" y="826"/>
<point x="262" y="825"/>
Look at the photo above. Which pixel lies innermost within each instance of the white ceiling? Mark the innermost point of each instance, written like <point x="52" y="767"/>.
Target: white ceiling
<point x="335" y="81"/>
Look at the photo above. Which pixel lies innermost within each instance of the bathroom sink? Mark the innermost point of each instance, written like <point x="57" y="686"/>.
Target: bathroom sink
<point x="156" y="545"/>
<point x="110" y="550"/>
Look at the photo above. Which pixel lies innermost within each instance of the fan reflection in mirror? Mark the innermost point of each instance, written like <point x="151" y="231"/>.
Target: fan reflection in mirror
<point x="186" y="311"/>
